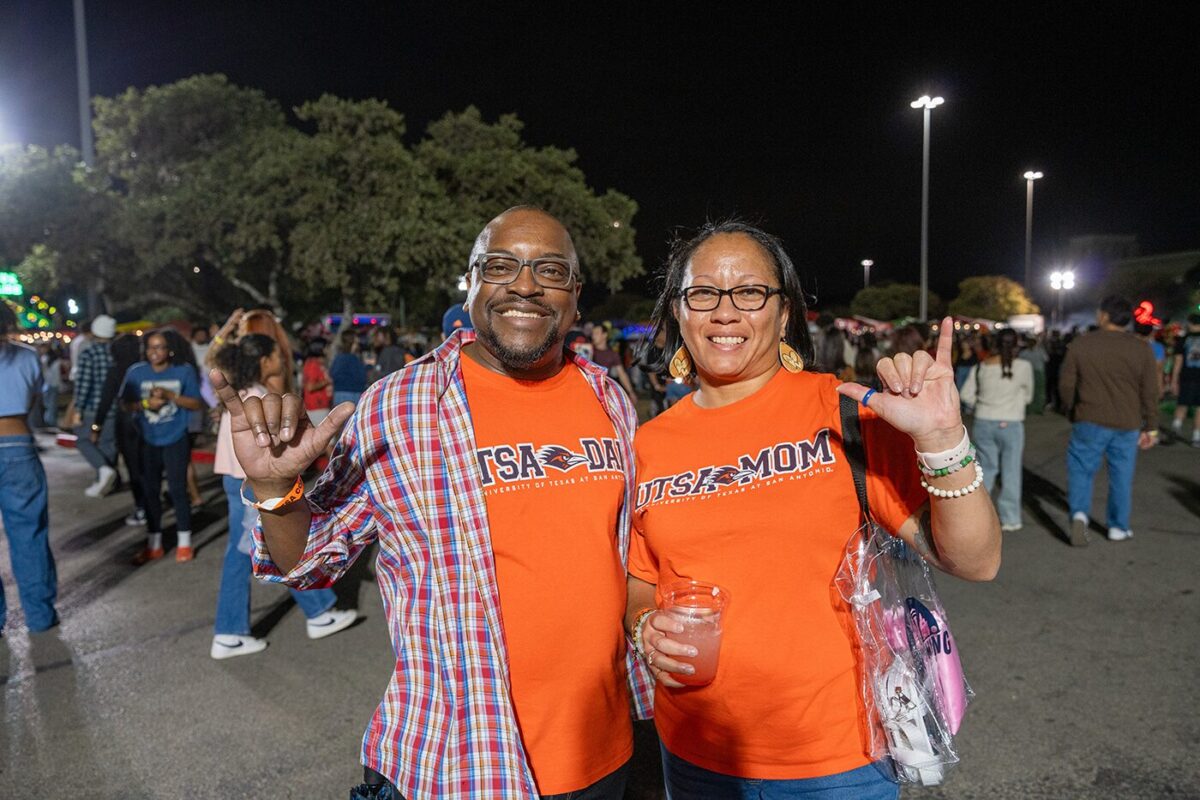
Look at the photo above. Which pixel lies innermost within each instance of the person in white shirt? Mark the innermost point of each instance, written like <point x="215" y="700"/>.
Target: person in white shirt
<point x="999" y="389"/>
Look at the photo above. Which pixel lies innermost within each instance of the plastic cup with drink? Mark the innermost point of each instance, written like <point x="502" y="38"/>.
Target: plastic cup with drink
<point x="699" y="608"/>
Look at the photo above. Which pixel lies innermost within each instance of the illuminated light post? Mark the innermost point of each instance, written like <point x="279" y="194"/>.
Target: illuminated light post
<point x="1030" y="177"/>
<point x="928" y="104"/>
<point x="1061" y="281"/>
<point x="866" y="265"/>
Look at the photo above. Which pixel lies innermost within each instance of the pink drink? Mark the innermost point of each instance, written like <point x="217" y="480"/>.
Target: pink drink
<point x="698" y="607"/>
<point x="704" y="634"/>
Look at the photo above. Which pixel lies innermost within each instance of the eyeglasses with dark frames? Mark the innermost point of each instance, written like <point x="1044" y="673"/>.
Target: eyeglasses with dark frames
<point x="750" y="297"/>
<point x="502" y="269"/>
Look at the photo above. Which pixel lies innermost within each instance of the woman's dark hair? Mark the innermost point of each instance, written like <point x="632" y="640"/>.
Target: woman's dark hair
<point x="349" y="338"/>
<point x="315" y="348"/>
<point x="241" y="362"/>
<point x="832" y="357"/>
<point x="180" y="347"/>
<point x="8" y="323"/>
<point x="1009" y="344"/>
<point x="671" y="277"/>
<point x="909" y="339"/>
<point x="8" y="320"/>
<point x="865" y="359"/>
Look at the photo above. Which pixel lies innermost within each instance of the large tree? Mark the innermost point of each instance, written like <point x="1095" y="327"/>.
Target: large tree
<point x="213" y="200"/>
<point x="892" y="301"/>
<point x="485" y="168"/>
<point x="992" y="297"/>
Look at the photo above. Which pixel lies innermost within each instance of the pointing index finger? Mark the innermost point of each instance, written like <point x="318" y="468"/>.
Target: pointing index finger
<point x="945" y="343"/>
<point x="229" y="396"/>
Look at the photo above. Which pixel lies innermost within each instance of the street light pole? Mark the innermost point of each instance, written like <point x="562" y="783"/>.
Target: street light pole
<point x="1030" y="177"/>
<point x="866" y="265"/>
<point x="84" y="89"/>
<point x="928" y="104"/>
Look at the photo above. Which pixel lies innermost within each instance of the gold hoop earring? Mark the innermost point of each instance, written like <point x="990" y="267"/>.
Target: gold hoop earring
<point x="681" y="364"/>
<point x="789" y="358"/>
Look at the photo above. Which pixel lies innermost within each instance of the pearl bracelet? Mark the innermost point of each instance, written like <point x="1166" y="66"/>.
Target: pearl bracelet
<point x="951" y="493"/>
<point x="946" y="458"/>
<point x="638" y="625"/>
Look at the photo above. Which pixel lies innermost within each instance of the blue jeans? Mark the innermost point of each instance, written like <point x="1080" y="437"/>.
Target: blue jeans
<point x="686" y="781"/>
<point x="999" y="446"/>
<point x="233" y="599"/>
<point x="25" y="509"/>
<point x="1090" y="444"/>
<point x="173" y="458"/>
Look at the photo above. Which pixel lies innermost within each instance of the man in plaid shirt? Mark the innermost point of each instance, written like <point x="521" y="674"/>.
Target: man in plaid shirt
<point x="496" y="474"/>
<point x="96" y="443"/>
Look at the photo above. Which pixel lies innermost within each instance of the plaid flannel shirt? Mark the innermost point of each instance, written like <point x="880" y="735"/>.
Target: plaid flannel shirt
<point x="94" y="364"/>
<point x="404" y="472"/>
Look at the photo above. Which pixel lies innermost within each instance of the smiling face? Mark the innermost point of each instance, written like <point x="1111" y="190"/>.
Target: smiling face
<point x="521" y="325"/>
<point x="728" y="345"/>
<point x="157" y="351"/>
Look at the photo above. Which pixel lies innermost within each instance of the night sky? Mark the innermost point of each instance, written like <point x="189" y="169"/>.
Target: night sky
<point x="797" y="120"/>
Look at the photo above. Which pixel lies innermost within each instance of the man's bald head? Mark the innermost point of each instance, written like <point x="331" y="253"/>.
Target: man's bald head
<point x="518" y="214"/>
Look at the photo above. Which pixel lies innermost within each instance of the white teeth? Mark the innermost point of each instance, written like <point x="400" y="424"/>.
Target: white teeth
<point x="728" y="339"/>
<point x="514" y="313"/>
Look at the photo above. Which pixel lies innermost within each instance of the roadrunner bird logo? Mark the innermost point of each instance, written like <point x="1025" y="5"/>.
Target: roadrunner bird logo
<point x="729" y="475"/>
<point x="562" y="459"/>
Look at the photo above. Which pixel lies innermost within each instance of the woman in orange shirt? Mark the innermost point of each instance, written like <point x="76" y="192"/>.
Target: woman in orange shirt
<point x="744" y="484"/>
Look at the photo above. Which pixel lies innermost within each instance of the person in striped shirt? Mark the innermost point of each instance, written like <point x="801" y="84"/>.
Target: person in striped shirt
<point x="496" y="474"/>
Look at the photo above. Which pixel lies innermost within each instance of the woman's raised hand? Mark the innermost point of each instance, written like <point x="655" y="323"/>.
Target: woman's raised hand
<point x="917" y="394"/>
<point x="273" y="438"/>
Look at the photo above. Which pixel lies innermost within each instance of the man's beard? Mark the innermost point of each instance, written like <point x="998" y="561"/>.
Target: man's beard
<point x="525" y="357"/>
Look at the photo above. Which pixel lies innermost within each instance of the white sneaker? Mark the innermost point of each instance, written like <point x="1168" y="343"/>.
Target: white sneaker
<point x="231" y="646"/>
<point x="330" y="623"/>
<point x="1119" y="535"/>
<point x="106" y="479"/>
<point x="1011" y="526"/>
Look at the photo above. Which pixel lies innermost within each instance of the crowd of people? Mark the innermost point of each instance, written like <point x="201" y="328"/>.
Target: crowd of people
<point x="462" y="456"/>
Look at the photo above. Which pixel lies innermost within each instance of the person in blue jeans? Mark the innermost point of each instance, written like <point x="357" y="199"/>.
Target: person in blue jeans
<point x="248" y="364"/>
<point x="1109" y="388"/>
<point x="999" y="389"/>
<point x="24" y="499"/>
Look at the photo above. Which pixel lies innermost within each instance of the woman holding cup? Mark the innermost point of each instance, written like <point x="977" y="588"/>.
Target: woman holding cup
<point x="744" y="494"/>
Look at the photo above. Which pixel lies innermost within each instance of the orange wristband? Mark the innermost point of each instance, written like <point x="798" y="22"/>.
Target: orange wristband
<point x="279" y="503"/>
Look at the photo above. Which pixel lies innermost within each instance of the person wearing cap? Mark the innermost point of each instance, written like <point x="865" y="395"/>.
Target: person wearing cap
<point x="97" y="443"/>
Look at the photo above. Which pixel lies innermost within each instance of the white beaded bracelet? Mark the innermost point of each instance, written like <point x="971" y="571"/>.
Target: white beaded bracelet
<point x="964" y="491"/>
<point x="638" y="625"/>
<point x="946" y="458"/>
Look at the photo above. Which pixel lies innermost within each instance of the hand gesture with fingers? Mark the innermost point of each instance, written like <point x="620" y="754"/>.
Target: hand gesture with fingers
<point x="917" y="394"/>
<point x="659" y="649"/>
<point x="273" y="438"/>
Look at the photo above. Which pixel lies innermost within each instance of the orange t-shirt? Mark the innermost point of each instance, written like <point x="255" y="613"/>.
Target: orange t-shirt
<point x="757" y="496"/>
<point x="553" y="483"/>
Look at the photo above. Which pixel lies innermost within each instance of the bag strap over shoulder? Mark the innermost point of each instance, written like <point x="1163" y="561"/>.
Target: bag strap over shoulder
<point x="856" y="453"/>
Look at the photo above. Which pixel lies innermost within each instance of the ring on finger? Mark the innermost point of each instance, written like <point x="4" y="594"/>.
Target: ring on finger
<point x="650" y="658"/>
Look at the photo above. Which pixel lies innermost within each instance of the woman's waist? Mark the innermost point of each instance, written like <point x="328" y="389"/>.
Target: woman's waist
<point x="14" y="425"/>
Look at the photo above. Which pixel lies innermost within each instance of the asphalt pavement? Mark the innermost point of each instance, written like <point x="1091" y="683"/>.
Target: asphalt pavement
<point x="1083" y="660"/>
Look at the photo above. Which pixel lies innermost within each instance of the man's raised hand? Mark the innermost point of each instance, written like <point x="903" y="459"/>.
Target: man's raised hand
<point x="273" y="438"/>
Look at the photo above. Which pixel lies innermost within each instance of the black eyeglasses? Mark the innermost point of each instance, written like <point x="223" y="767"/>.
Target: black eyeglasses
<point x="750" y="297"/>
<point x="502" y="269"/>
